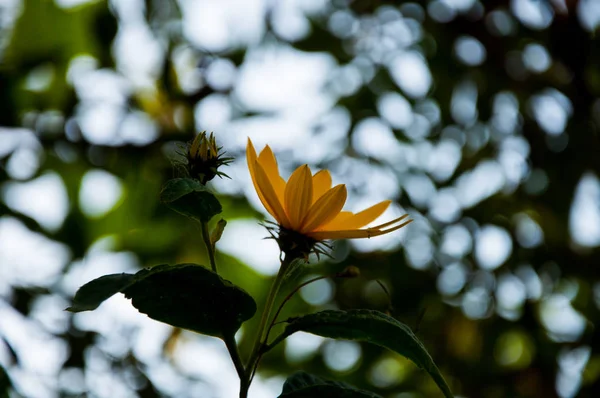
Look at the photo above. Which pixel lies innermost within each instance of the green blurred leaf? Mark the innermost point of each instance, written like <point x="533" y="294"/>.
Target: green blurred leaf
<point x="190" y="198"/>
<point x="305" y="385"/>
<point x="45" y="30"/>
<point x="93" y="293"/>
<point x="192" y="297"/>
<point x="369" y="326"/>
<point x="46" y="37"/>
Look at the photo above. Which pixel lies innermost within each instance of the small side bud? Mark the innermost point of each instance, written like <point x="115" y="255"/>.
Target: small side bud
<point x="204" y="158"/>
<point x="217" y="232"/>
<point x="350" y="271"/>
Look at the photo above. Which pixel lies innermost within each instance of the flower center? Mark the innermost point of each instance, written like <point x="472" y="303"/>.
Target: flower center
<point x="294" y="244"/>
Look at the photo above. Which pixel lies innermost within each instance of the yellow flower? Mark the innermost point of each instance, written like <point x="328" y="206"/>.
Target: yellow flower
<point x="307" y="204"/>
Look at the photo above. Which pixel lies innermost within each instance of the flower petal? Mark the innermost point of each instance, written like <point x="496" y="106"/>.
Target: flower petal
<point x="358" y="220"/>
<point x="270" y="196"/>
<point x="337" y="222"/>
<point x="251" y="158"/>
<point x="356" y="233"/>
<point x="269" y="164"/>
<point x="195" y="145"/>
<point x="298" y="196"/>
<point x="387" y="224"/>
<point x="321" y="184"/>
<point x="325" y="209"/>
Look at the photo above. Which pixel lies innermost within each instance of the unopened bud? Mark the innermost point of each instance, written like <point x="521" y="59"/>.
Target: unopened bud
<point x="204" y="159"/>
<point x="217" y="232"/>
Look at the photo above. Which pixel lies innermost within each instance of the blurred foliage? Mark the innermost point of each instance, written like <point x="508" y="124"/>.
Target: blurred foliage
<point x="493" y="352"/>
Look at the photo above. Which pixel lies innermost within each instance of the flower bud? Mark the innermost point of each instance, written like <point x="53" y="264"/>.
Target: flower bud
<point x="217" y="232"/>
<point x="204" y="159"/>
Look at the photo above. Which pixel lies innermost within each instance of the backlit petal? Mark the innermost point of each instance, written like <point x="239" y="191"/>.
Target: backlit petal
<point x="355" y="233"/>
<point x="270" y="197"/>
<point x="321" y="184"/>
<point x="325" y="209"/>
<point x="250" y="155"/>
<point x="387" y="224"/>
<point x="251" y="158"/>
<point x="359" y="220"/>
<point x="269" y="164"/>
<point x="337" y="222"/>
<point x="298" y="196"/>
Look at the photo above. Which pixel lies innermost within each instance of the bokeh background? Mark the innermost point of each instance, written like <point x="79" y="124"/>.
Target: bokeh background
<point x="478" y="118"/>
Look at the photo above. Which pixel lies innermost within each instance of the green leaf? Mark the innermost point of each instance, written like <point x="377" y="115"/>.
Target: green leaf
<point x="93" y="293"/>
<point x="190" y="198"/>
<point x="305" y="385"/>
<point x="369" y="326"/>
<point x="188" y="296"/>
<point x="192" y="297"/>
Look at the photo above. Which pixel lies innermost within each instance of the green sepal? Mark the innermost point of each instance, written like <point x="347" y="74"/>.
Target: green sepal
<point x="190" y="198"/>
<point x="305" y="385"/>
<point x="372" y="327"/>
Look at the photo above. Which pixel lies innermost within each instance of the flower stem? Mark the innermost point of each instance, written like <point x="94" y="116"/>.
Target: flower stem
<point x="258" y="343"/>
<point x="209" y="246"/>
<point x="287" y="298"/>
<point x="264" y="347"/>
<point x="235" y="355"/>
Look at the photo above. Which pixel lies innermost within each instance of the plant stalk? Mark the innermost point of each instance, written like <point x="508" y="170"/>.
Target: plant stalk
<point x="258" y="343"/>
<point x="235" y="355"/>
